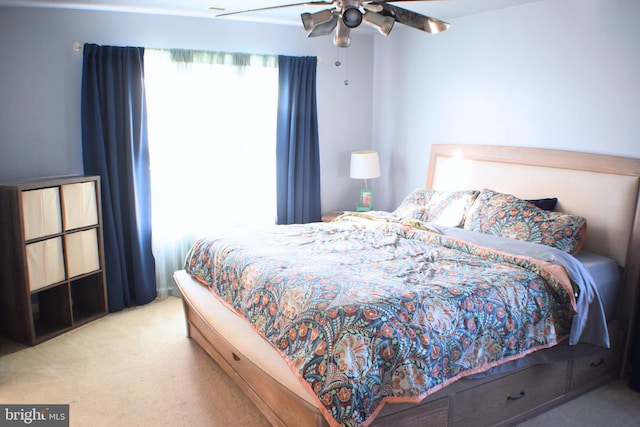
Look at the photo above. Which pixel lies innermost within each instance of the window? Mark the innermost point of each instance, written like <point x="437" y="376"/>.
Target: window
<point x="212" y="137"/>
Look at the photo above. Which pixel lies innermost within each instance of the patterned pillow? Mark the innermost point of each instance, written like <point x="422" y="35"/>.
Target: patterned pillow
<point x="447" y="208"/>
<point x="508" y="216"/>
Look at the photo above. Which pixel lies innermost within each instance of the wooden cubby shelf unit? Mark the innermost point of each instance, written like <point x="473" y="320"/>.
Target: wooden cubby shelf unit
<point x="52" y="276"/>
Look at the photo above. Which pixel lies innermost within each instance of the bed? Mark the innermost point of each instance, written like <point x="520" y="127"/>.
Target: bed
<point x="399" y="355"/>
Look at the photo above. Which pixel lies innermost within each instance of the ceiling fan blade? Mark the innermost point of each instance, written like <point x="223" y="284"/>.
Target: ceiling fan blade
<point x="407" y="1"/>
<point x="306" y="3"/>
<point x="373" y="7"/>
<point x="325" y="28"/>
<point x="376" y="5"/>
<point x="410" y="18"/>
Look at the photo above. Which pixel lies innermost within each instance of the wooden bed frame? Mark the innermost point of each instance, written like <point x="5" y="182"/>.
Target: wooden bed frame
<point x="604" y="189"/>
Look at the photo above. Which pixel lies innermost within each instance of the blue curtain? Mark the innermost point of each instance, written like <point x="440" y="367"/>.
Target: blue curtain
<point x="297" y="147"/>
<point x="114" y="144"/>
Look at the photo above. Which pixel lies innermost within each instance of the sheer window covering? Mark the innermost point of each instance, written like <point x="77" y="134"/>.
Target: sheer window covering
<point x="212" y="133"/>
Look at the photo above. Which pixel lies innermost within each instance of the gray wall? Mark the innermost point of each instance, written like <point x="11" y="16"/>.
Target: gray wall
<point x="554" y="74"/>
<point x="561" y="74"/>
<point x="41" y="75"/>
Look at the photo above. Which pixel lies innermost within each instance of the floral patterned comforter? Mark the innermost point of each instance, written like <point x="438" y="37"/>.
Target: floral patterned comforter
<point x="375" y="311"/>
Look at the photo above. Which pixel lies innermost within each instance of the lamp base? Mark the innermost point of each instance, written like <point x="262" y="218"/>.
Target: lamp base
<point x="365" y="203"/>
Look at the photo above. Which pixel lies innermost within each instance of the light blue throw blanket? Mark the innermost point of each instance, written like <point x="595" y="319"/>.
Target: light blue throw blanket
<point x="589" y="325"/>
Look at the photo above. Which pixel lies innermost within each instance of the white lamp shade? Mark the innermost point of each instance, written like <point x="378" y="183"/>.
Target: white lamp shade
<point x="364" y="165"/>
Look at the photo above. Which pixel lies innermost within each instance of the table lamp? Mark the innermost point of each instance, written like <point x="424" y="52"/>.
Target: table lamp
<point x="365" y="165"/>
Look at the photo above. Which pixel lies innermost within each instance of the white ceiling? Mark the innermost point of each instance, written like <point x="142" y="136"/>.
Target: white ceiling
<point x="441" y="9"/>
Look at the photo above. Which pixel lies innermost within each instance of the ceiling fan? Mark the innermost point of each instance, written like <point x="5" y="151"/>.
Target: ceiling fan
<point x="343" y="15"/>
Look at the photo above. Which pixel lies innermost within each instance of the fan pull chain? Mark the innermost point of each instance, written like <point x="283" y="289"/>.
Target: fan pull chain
<point x="346" y="80"/>
<point x="338" y="63"/>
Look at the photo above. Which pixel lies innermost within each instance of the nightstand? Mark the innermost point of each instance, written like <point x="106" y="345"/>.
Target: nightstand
<point x="330" y="216"/>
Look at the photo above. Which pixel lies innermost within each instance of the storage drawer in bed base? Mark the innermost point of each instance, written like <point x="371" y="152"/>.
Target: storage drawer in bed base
<point x="510" y="396"/>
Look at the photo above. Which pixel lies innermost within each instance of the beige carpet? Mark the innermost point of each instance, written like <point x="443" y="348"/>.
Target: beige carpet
<point x="137" y="368"/>
<point x="132" y="368"/>
<point x="611" y="405"/>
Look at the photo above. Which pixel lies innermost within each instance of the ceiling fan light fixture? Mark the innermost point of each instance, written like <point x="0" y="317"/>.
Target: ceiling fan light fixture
<point x="382" y="23"/>
<point x="324" y="29"/>
<point x="351" y="16"/>
<point x="346" y="14"/>
<point x="312" y="20"/>
<point x="342" y="36"/>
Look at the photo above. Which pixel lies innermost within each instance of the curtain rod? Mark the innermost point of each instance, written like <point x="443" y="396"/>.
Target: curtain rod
<point x="78" y="47"/>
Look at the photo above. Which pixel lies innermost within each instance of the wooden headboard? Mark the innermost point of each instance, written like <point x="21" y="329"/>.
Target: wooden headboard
<point x="603" y="189"/>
